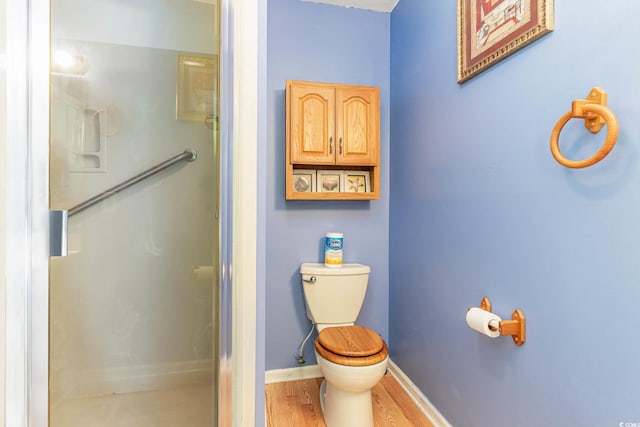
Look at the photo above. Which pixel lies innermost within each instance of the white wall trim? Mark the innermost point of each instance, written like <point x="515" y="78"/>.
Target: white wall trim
<point x="244" y="221"/>
<point x="418" y="397"/>
<point x="27" y="208"/>
<point x="16" y="204"/>
<point x="292" y="374"/>
<point x="313" y="371"/>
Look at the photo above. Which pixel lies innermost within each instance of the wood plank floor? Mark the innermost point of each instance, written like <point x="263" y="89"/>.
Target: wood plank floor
<point x="297" y="404"/>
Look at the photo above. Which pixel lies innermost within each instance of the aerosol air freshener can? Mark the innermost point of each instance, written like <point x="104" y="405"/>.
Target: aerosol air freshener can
<point x="333" y="250"/>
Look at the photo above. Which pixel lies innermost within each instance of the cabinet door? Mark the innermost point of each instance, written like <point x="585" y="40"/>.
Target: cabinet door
<point x="357" y="125"/>
<point x="312" y="124"/>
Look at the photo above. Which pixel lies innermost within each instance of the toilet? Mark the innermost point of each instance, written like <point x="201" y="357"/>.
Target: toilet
<point x="352" y="358"/>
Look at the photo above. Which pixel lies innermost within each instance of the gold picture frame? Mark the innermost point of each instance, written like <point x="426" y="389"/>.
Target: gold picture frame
<point x="197" y="87"/>
<point x="491" y="30"/>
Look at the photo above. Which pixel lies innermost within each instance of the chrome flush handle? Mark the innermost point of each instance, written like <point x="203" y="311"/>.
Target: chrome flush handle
<point x="311" y="279"/>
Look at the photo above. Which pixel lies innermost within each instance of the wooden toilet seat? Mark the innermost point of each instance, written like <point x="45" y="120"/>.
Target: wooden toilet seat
<point x="351" y="346"/>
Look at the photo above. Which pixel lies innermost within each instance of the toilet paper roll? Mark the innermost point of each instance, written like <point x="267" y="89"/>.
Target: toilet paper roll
<point x="484" y="322"/>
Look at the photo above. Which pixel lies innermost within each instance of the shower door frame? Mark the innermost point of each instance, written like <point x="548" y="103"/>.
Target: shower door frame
<point x="27" y="208"/>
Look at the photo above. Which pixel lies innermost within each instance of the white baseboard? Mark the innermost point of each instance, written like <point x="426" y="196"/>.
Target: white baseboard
<point x="292" y="374"/>
<point x="130" y="379"/>
<point x="313" y="371"/>
<point x="418" y="397"/>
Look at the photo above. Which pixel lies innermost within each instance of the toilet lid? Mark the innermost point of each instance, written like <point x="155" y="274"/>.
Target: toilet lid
<point x="351" y="341"/>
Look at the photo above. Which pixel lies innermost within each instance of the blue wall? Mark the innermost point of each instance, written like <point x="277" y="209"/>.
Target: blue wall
<point x="479" y="207"/>
<point x="308" y="41"/>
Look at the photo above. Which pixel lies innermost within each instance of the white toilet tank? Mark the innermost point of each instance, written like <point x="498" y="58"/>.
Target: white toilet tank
<point x="334" y="295"/>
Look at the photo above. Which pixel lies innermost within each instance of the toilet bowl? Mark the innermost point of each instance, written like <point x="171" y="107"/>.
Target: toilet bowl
<point x="351" y="368"/>
<point x="352" y="358"/>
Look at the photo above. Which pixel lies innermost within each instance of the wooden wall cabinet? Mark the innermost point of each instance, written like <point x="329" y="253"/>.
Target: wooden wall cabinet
<point x="332" y="127"/>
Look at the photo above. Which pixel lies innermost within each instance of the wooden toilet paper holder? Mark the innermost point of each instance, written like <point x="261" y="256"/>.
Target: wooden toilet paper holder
<point x="516" y="327"/>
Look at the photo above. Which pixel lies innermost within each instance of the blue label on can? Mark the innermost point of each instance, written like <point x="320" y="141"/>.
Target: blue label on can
<point x="333" y="243"/>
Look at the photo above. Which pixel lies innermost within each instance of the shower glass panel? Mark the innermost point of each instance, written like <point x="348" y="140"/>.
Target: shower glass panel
<point x="134" y="305"/>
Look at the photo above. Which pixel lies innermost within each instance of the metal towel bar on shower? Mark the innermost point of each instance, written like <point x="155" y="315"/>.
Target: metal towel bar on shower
<point x="188" y="155"/>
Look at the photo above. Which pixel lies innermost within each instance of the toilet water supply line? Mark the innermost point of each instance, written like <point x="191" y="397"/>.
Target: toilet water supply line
<point x="299" y="356"/>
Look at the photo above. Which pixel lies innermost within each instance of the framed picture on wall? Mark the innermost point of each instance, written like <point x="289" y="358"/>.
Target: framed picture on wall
<point x="329" y="181"/>
<point x="304" y="180"/>
<point x="491" y="30"/>
<point x="356" y="181"/>
<point x="197" y="86"/>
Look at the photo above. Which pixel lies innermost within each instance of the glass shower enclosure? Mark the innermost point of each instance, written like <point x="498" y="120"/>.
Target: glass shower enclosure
<point x="134" y="159"/>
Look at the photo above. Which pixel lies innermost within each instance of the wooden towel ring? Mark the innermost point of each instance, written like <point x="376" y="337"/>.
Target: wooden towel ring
<point x="596" y="114"/>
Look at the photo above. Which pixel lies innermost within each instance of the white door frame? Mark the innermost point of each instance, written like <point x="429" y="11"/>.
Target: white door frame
<point x="26" y="353"/>
<point x="27" y="240"/>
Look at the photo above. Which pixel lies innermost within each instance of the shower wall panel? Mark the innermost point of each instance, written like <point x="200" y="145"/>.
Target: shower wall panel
<point x="130" y="307"/>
